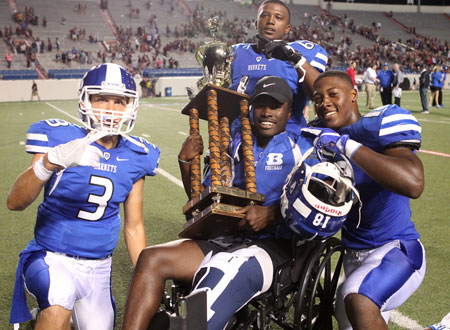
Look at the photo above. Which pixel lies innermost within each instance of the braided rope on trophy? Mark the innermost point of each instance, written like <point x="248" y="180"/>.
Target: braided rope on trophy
<point x="247" y="145"/>
<point x="196" y="179"/>
<point x="225" y="137"/>
<point x="214" y="138"/>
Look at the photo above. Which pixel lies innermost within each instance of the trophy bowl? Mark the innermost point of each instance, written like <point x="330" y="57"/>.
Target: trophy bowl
<point x="215" y="58"/>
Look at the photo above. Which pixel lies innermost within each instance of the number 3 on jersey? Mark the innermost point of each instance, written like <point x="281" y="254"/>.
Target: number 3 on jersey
<point x="100" y="200"/>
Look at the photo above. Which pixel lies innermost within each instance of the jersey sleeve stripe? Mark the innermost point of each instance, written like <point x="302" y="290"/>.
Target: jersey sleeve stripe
<point x="296" y="151"/>
<point x="36" y="149"/>
<point x="399" y="128"/>
<point x="322" y="57"/>
<point x="398" y="117"/>
<point x="37" y="137"/>
<point x="318" y="65"/>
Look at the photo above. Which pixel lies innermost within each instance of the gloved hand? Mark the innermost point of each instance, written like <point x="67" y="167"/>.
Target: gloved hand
<point x="78" y="152"/>
<point x="278" y="49"/>
<point x="331" y="141"/>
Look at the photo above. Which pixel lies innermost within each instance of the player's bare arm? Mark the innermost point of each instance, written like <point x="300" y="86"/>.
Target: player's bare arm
<point x="396" y="169"/>
<point x="133" y="230"/>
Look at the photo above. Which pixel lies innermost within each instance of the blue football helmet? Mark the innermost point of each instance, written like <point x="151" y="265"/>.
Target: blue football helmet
<point x="108" y="79"/>
<point x="318" y="196"/>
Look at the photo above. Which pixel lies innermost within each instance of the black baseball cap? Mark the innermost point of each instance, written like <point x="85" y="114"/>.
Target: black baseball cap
<point x="275" y="87"/>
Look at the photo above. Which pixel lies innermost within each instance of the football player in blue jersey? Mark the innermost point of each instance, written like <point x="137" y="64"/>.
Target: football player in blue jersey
<point x="298" y="63"/>
<point x="256" y="253"/>
<point x="384" y="261"/>
<point x="86" y="173"/>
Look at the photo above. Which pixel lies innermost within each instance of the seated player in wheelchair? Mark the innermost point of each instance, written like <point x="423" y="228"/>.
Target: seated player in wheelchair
<point x="384" y="261"/>
<point x="233" y="269"/>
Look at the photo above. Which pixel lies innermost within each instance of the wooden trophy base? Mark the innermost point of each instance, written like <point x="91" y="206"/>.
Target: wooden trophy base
<point x="213" y="213"/>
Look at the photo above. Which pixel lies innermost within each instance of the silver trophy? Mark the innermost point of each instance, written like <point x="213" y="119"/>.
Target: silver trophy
<point x="215" y="57"/>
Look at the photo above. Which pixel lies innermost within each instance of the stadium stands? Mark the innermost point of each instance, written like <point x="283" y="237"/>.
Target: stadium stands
<point x="332" y="30"/>
<point x="18" y="74"/>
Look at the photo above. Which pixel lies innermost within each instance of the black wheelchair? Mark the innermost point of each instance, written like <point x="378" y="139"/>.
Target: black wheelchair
<point x="302" y="295"/>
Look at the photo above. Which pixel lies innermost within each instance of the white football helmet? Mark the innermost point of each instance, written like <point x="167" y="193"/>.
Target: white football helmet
<point x="108" y="79"/>
<point x="318" y="196"/>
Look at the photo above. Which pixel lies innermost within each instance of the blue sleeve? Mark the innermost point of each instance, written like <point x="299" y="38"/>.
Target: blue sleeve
<point x="49" y="133"/>
<point x="386" y="127"/>
<point x="314" y="54"/>
<point x="399" y="126"/>
<point x="152" y="161"/>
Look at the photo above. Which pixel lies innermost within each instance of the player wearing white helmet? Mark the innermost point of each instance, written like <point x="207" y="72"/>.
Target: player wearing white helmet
<point x="317" y="197"/>
<point x="86" y="173"/>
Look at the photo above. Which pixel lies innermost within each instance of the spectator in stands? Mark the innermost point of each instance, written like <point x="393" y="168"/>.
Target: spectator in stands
<point x="299" y="63"/>
<point x="397" y="83"/>
<point x="44" y="22"/>
<point x="370" y="82"/>
<point x="424" y="83"/>
<point x="34" y="91"/>
<point x="351" y="72"/>
<point x="385" y="78"/>
<point x="8" y="59"/>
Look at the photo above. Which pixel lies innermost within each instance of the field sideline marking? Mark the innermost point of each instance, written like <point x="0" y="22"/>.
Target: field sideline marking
<point x="62" y="111"/>
<point x="396" y="317"/>
<point x="404" y="321"/>
<point x="435" y="153"/>
<point x="170" y="177"/>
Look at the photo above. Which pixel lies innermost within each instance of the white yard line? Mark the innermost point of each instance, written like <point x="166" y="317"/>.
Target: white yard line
<point x="169" y="176"/>
<point x="404" y="321"/>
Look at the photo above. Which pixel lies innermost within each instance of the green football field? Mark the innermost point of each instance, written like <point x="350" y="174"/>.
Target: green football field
<point x="161" y="123"/>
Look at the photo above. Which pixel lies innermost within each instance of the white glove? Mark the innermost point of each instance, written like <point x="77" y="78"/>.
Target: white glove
<point x="78" y="152"/>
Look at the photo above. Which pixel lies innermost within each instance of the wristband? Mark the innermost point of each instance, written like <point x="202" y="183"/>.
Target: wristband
<point x="40" y="171"/>
<point x="350" y="148"/>
<point x="183" y="161"/>
<point x="299" y="65"/>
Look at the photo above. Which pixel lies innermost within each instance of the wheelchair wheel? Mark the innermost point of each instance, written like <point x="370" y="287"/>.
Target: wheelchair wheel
<point x="315" y="305"/>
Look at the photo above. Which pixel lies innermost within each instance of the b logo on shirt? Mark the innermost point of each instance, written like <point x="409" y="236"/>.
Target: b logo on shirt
<point x="274" y="161"/>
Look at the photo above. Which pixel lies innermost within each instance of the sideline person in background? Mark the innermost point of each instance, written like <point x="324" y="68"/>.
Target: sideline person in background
<point x="351" y="72"/>
<point x="384" y="260"/>
<point x="370" y="81"/>
<point x="397" y="84"/>
<point x="86" y="173"/>
<point x="437" y="102"/>
<point x="424" y="83"/>
<point x="385" y="77"/>
<point x="34" y="91"/>
<point x="298" y="62"/>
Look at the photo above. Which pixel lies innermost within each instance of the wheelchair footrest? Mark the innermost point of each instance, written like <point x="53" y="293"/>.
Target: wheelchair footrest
<point x="190" y="313"/>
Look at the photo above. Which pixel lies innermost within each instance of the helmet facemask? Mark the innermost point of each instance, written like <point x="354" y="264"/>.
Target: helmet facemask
<point x="108" y="80"/>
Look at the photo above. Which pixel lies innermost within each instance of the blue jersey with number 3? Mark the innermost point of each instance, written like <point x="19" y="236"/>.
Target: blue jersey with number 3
<point x="249" y="62"/>
<point x="80" y="211"/>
